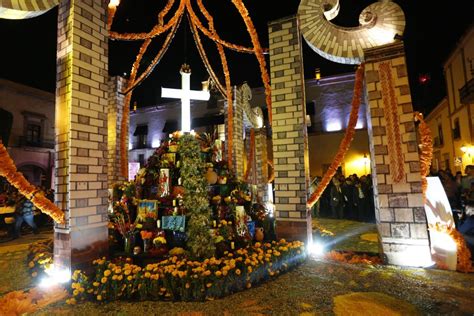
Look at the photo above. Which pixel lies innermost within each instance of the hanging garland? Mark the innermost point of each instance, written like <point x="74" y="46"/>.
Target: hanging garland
<point x="15" y="178"/>
<point x="426" y="154"/>
<point x="211" y="33"/>
<point x="394" y="137"/>
<point x="258" y="53"/>
<point x="346" y="141"/>
<point x="250" y="154"/>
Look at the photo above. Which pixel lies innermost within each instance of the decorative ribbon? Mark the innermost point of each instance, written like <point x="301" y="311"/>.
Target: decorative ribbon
<point x="426" y="154"/>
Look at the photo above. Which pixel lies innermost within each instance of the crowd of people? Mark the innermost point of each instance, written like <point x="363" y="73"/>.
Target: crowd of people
<point x="349" y="198"/>
<point x="24" y="210"/>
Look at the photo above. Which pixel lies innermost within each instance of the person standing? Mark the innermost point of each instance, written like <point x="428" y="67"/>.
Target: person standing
<point x="337" y="199"/>
<point x="24" y="212"/>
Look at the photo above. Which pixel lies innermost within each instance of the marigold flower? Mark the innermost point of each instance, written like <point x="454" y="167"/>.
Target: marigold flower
<point x="147" y="274"/>
<point x="107" y="273"/>
<point x="129" y="278"/>
<point x="237" y="271"/>
<point x="31" y="264"/>
<point x="127" y="272"/>
<point x="75" y="292"/>
<point x="104" y="280"/>
<point x="218" y="273"/>
<point x="95" y="284"/>
<point x="99" y="297"/>
<point x="208" y="284"/>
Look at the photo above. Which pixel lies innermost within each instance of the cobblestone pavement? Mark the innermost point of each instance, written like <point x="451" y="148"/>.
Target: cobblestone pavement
<point x="310" y="289"/>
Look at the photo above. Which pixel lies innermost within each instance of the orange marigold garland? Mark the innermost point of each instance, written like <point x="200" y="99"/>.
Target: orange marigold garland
<point x="346" y="141"/>
<point x="394" y="136"/>
<point x="464" y="263"/>
<point x="258" y="53"/>
<point x="15" y="178"/>
<point x="351" y="257"/>
<point x="426" y="154"/>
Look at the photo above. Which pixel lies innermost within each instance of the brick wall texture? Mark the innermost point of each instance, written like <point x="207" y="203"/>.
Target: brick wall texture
<point x="399" y="206"/>
<point x="114" y="113"/>
<point x="81" y="130"/>
<point x="289" y="135"/>
<point x="238" y="149"/>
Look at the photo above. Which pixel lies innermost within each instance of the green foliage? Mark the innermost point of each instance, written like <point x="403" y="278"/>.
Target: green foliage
<point x="196" y="200"/>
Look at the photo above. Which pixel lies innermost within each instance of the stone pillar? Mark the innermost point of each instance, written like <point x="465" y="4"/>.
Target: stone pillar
<point x="115" y="110"/>
<point x="394" y="157"/>
<point x="261" y="163"/>
<point x="81" y="132"/>
<point x="290" y="141"/>
<point x="238" y="151"/>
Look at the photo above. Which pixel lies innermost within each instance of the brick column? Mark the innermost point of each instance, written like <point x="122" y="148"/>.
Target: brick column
<point x="115" y="110"/>
<point x="81" y="132"/>
<point x="290" y="141"/>
<point x="261" y="163"/>
<point x="238" y="151"/>
<point x="398" y="203"/>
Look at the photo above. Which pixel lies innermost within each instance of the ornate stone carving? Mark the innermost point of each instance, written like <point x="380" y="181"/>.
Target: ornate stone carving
<point x="379" y="23"/>
<point x="253" y="116"/>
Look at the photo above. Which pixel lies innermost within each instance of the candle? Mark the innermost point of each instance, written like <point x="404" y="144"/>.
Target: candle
<point x="174" y="202"/>
<point x="214" y="223"/>
<point x="232" y="245"/>
<point x="179" y="181"/>
<point x="177" y="164"/>
<point x="158" y="223"/>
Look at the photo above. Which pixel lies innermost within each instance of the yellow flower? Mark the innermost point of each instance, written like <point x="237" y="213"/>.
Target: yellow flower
<point x="147" y="274"/>
<point x="208" y="284"/>
<point x="118" y="271"/>
<point x="31" y="264"/>
<point x="249" y="285"/>
<point x="218" y="273"/>
<point x="237" y="271"/>
<point x="207" y="273"/>
<point x="75" y="292"/>
<point x="71" y="301"/>
<point x="120" y="277"/>
<point x="104" y="280"/>
<point x="107" y="273"/>
<point x="129" y="278"/>
<point x="114" y="277"/>
<point x="249" y="269"/>
<point x="224" y="273"/>
<point x="127" y="271"/>
<point x="96" y="284"/>
<point x="99" y="297"/>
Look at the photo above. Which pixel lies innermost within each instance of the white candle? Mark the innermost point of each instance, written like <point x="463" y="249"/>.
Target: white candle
<point x="158" y="223"/>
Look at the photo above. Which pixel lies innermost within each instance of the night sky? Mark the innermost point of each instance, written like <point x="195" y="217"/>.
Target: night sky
<point x="432" y="30"/>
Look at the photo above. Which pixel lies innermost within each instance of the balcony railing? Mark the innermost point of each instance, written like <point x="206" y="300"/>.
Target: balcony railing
<point x="23" y="142"/>
<point x="466" y="93"/>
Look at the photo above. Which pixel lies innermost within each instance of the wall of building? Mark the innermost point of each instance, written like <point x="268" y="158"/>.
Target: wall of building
<point x="458" y="73"/>
<point x="323" y="148"/>
<point x="34" y="105"/>
<point x="443" y="150"/>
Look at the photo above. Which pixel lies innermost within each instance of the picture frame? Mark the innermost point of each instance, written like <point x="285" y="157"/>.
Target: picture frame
<point x="147" y="208"/>
<point x="164" y="182"/>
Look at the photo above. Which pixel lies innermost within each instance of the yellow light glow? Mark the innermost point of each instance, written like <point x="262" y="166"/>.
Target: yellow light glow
<point x="114" y="3"/>
<point x="468" y="149"/>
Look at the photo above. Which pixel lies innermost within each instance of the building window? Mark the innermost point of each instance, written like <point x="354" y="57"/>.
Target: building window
<point x="33" y="133"/>
<point x="456" y="130"/>
<point x="440" y="135"/>
<point x="141" y="132"/>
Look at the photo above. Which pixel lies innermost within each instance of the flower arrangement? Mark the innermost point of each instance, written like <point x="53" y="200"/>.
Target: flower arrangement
<point x="40" y="257"/>
<point x="185" y="279"/>
<point x="351" y="257"/>
<point x="146" y="234"/>
<point x="124" y="226"/>
<point x="159" y="241"/>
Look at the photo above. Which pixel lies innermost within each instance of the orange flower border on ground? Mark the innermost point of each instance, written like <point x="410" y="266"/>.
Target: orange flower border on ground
<point x="15" y="178"/>
<point x="426" y="148"/>
<point x="346" y="141"/>
<point x="464" y="263"/>
<point x="352" y="257"/>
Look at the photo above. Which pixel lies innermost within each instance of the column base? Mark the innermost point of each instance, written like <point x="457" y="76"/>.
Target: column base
<point x="293" y="230"/>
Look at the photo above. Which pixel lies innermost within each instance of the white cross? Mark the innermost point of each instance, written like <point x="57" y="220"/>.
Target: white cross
<point x="186" y="95"/>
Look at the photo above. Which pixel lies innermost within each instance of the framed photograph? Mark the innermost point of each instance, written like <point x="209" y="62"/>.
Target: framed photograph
<point x="147" y="208"/>
<point x="164" y="183"/>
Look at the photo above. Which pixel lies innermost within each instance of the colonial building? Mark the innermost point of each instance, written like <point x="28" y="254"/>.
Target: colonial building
<point x="451" y="121"/>
<point x="28" y="129"/>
